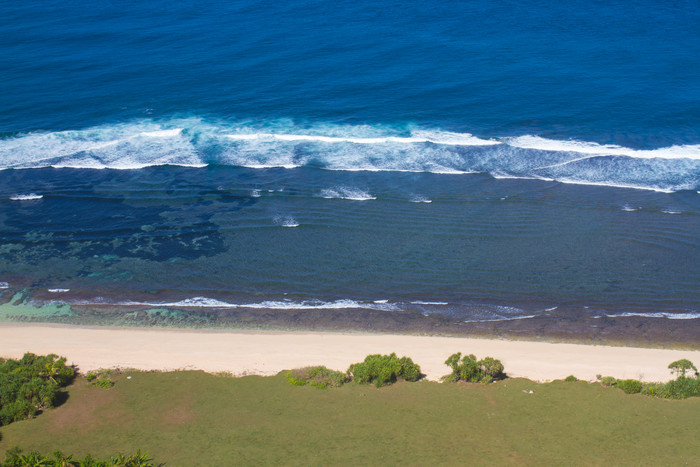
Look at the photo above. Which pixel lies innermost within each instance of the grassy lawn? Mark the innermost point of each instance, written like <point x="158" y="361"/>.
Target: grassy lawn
<point x="193" y="418"/>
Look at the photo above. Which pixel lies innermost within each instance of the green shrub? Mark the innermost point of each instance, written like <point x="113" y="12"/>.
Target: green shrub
<point x="384" y="369"/>
<point x="317" y="376"/>
<point x="30" y="384"/>
<point x="630" y="386"/>
<point x="468" y="369"/>
<point x="101" y="378"/>
<point x="104" y="382"/>
<point x="655" y="389"/>
<point x="682" y="388"/>
<point x="608" y="381"/>
<point x="571" y="379"/>
<point x="15" y="458"/>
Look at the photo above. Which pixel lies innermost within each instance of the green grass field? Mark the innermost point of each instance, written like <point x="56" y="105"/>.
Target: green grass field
<point x="194" y="418"/>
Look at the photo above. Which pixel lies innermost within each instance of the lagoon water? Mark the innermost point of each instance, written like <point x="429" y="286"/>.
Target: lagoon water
<point x="472" y="161"/>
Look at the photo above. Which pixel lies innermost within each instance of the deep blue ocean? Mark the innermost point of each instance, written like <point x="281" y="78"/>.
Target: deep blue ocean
<point x="474" y="160"/>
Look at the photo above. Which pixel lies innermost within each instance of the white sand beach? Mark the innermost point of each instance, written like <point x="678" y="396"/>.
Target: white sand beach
<point x="267" y="353"/>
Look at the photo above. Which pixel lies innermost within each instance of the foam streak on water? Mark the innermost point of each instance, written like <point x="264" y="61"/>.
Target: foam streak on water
<point x="196" y="143"/>
<point x="205" y="302"/>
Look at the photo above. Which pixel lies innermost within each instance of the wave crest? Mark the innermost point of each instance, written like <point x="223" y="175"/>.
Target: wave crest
<point x="195" y="143"/>
<point x="342" y="192"/>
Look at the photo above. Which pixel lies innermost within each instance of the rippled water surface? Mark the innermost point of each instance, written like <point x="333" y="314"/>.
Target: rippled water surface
<point x="478" y="162"/>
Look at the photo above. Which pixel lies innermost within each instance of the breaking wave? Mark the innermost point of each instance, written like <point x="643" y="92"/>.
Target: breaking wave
<point x="286" y="221"/>
<point x="194" y="142"/>
<point x="205" y="302"/>
<point x="27" y="197"/>
<point x="346" y="193"/>
<point x="660" y="314"/>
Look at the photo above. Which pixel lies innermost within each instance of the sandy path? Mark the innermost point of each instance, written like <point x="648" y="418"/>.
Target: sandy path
<point x="268" y="353"/>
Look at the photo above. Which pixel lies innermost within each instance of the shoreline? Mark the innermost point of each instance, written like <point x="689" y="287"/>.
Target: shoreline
<point x="264" y="353"/>
<point x="570" y="328"/>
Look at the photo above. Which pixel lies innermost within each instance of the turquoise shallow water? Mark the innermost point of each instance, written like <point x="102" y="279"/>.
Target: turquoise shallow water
<point x="467" y="246"/>
<point x="476" y="162"/>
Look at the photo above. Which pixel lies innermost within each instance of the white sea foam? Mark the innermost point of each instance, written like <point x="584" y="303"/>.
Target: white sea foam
<point x="419" y="302"/>
<point x="255" y="193"/>
<point x="424" y="136"/>
<point x="420" y="199"/>
<point x="123" y="146"/>
<point x="59" y="290"/>
<point x="628" y="208"/>
<point x="668" y="211"/>
<point x="193" y="142"/>
<point x="286" y="221"/>
<point x="204" y="302"/>
<point x="659" y="314"/>
<point x="346" y="193"/>
<point x="632" y="186"/>
<point x="595" y="149"/>
<point x="4" y="285"/>
<point x="503" y="318"/>
<point x="162" y="133"/>
<point x="502" y="176"/>
<point x="27" y="197"/>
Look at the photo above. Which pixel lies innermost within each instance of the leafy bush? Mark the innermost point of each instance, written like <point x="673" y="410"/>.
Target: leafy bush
<point x="468" y="369"/>
<point x="15" y="458"/>
<point x="630" y="386"/>
<point x="104" y="382"/>
<point x="655" y="389"/>
<point x="100" y="378"/>
<point x="384" y="369"/>
<point x="571" y="379"/>
<point x="608" y="381"/>
<point x="317" y="376"/>
<point x="682" y="388"/>
<point x="30" y="384"/>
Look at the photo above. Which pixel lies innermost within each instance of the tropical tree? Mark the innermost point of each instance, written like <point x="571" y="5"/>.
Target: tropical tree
<point x="384" y="369"/>
<point x="62" y="460"/>
<point x="681" y="367"/>
<point x="469" y="369"/>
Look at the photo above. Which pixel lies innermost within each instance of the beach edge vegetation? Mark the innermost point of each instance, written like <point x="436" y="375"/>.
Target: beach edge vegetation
<point x="31" y="384"/>
<point x="468" y="369"/>
<point x="15" y="458"/>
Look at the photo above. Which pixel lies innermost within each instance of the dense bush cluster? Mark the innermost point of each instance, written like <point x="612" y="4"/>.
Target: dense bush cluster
<point x="15" y="458"/>
<point x="686" y="384"/>
<point x="630" y="386"/>
<point x="30" y="384"/>
<point x="317" y="376"/>
<point x="382" y="370"/>
<point x="468" y="369"/>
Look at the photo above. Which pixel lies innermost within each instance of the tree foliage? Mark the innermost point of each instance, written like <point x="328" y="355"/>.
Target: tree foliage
<point x="382" y="370"/>
<point x="682" y="387"/>
<point x="683" y="366"/>
<point x="30" y="384"/>
<point x="468" y="369"/>
<point x="630" y="386"/>
<point x="15" y="458"/>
